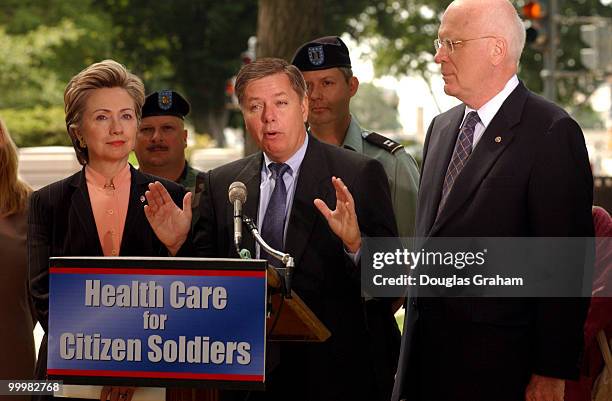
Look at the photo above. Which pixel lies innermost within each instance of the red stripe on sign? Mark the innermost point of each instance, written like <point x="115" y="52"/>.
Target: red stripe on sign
<point x="157" y="272"/>
<point x="154" y="375"/>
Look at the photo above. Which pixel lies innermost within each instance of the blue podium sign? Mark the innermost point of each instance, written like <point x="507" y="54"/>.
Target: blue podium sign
<point x="157" y="321"/>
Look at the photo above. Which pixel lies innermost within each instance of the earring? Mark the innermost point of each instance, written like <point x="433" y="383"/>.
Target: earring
<point x="82" y="143"/>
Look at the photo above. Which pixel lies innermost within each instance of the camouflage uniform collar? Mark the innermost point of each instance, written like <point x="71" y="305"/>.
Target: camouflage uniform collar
<point x="353" y="139"/>
<point x="183" y="175"/>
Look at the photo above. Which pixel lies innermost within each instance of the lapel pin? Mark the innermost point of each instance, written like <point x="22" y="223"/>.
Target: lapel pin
<point x="497" y="139"/>
<point x="142" y="198"/>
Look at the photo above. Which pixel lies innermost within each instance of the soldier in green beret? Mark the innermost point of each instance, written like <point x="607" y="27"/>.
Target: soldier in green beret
<point x="326" y="66"/>
<point x="161" y="142"/>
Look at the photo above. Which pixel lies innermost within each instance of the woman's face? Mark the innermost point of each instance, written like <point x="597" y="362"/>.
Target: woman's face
<point x="108" y="125"/>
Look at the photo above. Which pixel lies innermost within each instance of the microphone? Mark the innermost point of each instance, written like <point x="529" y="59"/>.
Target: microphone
<point x="237" y="193"/>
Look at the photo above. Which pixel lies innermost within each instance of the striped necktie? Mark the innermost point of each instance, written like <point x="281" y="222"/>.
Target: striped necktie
<point x="463" y="150"/>
<point x="274" y="220"/>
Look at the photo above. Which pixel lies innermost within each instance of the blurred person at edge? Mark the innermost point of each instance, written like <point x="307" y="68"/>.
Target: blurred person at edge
<point x="17" y="343"/>
<point x="99" y="210"/>
<point x="599" y="317"/>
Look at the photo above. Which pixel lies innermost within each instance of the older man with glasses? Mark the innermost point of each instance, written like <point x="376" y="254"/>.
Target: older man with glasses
<point x="504" y="163"/>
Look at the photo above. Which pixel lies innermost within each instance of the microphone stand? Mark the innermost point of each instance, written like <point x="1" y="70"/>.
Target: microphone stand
<point x="285" y="258"/>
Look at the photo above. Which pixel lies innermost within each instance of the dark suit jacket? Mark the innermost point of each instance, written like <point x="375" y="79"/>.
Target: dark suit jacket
<point x="61" y="223"/>
<point x="342" y="367"/>
<point x="17" y="343"/>
<point x="534" y="182"/>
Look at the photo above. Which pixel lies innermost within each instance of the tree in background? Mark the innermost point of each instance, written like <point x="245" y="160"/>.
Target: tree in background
<point x="401" y="34"/>
<point x="43" y="44"/>
<point x="284" y="25"/>
<point x="192" y="46"/>
<point x="76" y="32"/>
<point x="573" y="92"/>
<point x="27" y="79"/>
<point x="376" y="108"/>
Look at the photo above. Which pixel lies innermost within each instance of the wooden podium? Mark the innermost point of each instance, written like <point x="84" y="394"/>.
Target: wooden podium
<point x="290" y="319"/>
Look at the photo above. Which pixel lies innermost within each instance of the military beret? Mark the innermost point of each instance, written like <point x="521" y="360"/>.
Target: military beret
<point x="165" y="103"/>
<point x="321" y="54"/>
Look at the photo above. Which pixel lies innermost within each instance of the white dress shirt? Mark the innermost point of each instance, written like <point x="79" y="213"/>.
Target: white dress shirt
<point x="490" y="109"/>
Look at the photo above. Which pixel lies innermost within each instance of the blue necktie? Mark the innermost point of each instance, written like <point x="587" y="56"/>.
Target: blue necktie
<point x="274" y="220"/>
<point x="463" y="150"/>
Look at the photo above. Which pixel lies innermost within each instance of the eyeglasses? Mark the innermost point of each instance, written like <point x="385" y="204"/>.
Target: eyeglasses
<point x="449" y="45"/>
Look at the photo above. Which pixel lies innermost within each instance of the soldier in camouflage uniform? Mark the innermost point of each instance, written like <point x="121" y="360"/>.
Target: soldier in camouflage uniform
<point x="161" y="142"/>
<point x="326" y="66"/>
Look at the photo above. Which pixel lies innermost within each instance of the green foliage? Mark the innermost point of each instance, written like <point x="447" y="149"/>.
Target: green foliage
<point x="376" y="108"/>
<point x="44" y="43"/>
<point x="26" y="78"/>
<point x="193" y="47"/>
<point x="338" y="13"/>
<point x="38" y="126"/>
<point x="568" y="56"/>
<point x="588" y="118"/>
<point x="402" y="34"/>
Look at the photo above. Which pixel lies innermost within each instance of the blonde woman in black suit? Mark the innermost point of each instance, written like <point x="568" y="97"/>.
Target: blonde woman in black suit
<point x="99" y="210"/>
<point x="17" y="344"/>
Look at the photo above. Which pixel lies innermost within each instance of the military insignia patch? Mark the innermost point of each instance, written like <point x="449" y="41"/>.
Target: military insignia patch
<point x="316" y="55"/>
<point x="382" y="142"/>
<point x="164" y="99"/>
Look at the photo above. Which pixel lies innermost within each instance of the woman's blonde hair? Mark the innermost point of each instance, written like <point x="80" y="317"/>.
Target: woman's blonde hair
<point x="13" y="192"/>
<point x="105" y="74"/>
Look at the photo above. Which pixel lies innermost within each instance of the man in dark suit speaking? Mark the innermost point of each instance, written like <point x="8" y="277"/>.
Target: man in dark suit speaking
<point x="504" y="163"/>
<point x="298" y="175"/>
<point x="290" y="185"/>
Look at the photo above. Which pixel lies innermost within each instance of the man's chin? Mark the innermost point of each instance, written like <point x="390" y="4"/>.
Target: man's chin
<point x="275" y="153"/>
<point x="450" y="90"/>
<point x="157" y="163"/>
<point x="319" y="118"/>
